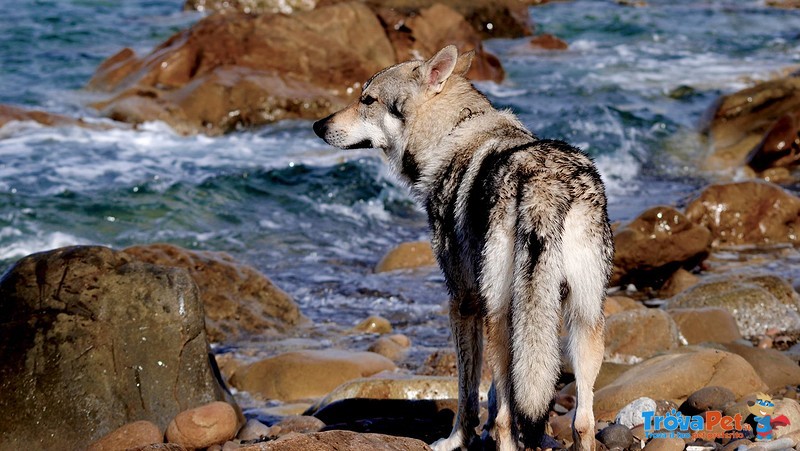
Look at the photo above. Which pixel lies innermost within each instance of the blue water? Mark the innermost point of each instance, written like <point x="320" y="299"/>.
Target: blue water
<point x="631" y="90"/>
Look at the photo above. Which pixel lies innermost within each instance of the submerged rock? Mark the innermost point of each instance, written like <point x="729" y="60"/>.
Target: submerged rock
<point x="409" y="255"/>
<point x="655" y="244"/>
<point x="10" y="113"/>
<point x="238" y="300"/>
<point x="757" y="303"/>
<point x="752" y="212"/>
<point x="95" y="340"/>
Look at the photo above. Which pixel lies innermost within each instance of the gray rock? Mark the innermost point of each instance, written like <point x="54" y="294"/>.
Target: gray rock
<point x="631" y="415"/>
<point x="616" y="436"/>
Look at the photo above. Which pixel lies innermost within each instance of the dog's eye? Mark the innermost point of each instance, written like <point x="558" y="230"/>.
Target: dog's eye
<point x="368" y="100"/>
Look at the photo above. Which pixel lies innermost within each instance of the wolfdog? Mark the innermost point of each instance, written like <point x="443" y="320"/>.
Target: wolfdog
<point x="520" y="230"/>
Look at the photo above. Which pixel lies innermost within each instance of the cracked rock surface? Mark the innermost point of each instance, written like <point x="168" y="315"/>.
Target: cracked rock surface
<point x="92" y="340"/>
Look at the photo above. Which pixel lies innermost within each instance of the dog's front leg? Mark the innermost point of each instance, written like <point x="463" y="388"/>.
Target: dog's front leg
<point x="465" y="325"/>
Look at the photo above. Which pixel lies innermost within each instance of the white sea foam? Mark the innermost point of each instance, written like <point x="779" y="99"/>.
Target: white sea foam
<point x="38" y="242"/>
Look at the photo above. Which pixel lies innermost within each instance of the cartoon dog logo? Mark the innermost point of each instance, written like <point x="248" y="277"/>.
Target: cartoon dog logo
<point x="762" y="409"/>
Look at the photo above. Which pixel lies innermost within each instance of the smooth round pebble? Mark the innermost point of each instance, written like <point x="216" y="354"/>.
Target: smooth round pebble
<point x="616" y="436"/>
<point x="374" y="325"/>
<point x="707" y="398"/>
<point x="665" y="444"/>
<point x="210" y="424"/>
<point x="253" y="430"/>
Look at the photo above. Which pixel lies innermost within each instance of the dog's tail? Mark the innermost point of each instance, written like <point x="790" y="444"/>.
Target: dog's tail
<point x="535" y="348"/>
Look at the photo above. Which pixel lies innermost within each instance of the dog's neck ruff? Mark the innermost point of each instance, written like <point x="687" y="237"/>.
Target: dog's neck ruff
<point x="465" y="115"/>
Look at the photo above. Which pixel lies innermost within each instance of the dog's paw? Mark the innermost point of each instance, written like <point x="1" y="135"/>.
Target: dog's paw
<point x="455" y="441"/>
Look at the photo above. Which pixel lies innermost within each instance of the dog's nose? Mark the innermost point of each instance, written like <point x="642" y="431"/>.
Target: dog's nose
<point x="320" y="127"/>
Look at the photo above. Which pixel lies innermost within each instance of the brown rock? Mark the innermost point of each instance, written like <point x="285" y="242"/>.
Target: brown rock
<point x="307" y="374"/>
<point x="203" y="426"/>
<point x="665" y="444"/>
<point x="757" y="303"/>
<point x="131" y="435"/>
<point x="791" y="409"/>
<point x="640" y="333"/>
<point x="233" y="70"/>
<point x="780" y="145"/>
<point x="237" y="299"/>
<point x="618" y="304"/>
<point x="425" y="31"/>
<point x="339" y="440"/>
<point x="96" y="340"/>
<point x="676" y="376"/>
<point x="254" y="430"/>
<point x="394" y="347"/>
<point x="775" y="368"/>
<point x="10" y="113"/>
<point x="407" y="256"/>
<point x="442" y="362"/>
<point x="708" y="398"/>
<point x="677" y="282"/>
<point x="374" y="325"/>
<point x="548" y="42"/>
<point x="301" y="424"/>
<point x="159" y="447"/>
<point x="786" y="4"/>
<point x="742" y="119"/>
<point x="752" y="212"/>
<point x="698" y="325"/>
<point x="250" y="6"/>
<point x="655" y="244"/>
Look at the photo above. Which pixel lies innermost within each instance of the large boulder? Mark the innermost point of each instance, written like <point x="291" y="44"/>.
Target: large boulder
<point x="752" y="212"/>
<point x="94" y="340"/>
<point x="741" y="120"/>
<point x="339" y="440"/>
<point x="757" y="303"/>
<point x="775" y="368"/>
<point x="236" y="70"/>
<point x="676" y="376"/>
<point x="655" y="244"/>
<point x="238" y="300"/>
<point x="706" y="324"/>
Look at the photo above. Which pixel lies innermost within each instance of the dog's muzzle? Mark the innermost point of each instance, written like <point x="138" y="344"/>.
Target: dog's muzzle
<point x="321" y="126"/>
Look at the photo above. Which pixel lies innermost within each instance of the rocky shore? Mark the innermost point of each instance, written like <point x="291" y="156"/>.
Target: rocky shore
<point x="126" y="349"/>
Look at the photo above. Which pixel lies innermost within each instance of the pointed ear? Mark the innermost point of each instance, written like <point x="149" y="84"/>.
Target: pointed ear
<point x="439" y="68"/>
<point x="463" y="63"/>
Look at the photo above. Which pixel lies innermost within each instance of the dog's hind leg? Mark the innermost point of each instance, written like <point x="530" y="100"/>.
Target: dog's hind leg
<point x="497" y="352"/>
<point x="586" y="248"/>
<point x="468" y="336"/>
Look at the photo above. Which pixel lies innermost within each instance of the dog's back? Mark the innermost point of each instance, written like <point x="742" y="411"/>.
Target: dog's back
<point x="519" y="227"/>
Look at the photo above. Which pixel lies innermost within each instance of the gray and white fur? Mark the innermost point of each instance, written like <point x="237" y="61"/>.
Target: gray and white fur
<point x="519" y="227"/>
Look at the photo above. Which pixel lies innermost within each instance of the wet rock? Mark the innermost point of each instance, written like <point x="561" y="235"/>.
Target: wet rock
<point x="617" y="304"/>
<point x="699" y="325"/>
<point x="780" y="145"/>
<point x="394" y="347"/>
<point x="238" y="300"/>
<point x="10" y="113"/>
<point x="306" y="374"/>
<point x="203" y="426"/>
<point x="677" y="282"/>
<point x="96" y="340"/>
<point x="548" y="42"/>
<point x="676" y="376"/>
<point x="351" y="441"/>
<point x="631" y="415"/>
<point x="616" y="436"/>
<point x="426" y="420"/>
<point x="786" y="4"/>
<point x="561" y="426"/>
<point x="707" y="398"/>
<point x="640" y="333"/>
<point x="654" y="245"/>
<point x="752" y="212"/>
<point x="232" y="71"/>
<point x="131" y="435"/>
<point x="776" y="369"/>
<point x="442" y="362"/>
<point x="422" y="32"/>
<point x="254" y="430"/>
<point x="407" y="256"/>
<point x="374" y="325"/>
<point x="666" y="444"/>
<point x="741" y="120"/>
<point x="757" y="303"/>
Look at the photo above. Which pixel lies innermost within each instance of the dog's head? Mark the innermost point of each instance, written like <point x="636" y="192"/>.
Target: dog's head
<point x="389" y="101"/>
